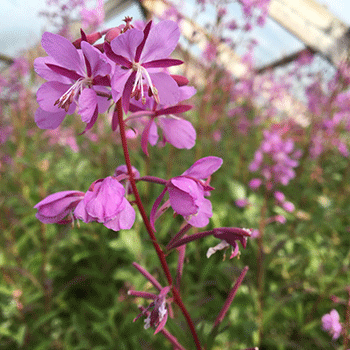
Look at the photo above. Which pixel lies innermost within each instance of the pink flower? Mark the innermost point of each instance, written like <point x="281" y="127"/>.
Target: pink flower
<point x="5" y="132"/>
<point x="275" y="158"/>
<point x="331" y="324"/>
<point x="105" y="202"/>
<point x="75" y="77"/>
<point x="288" y="206"/>
<point x="242" y="202"/>
<point x="232" y="25"/>
<point x="281" y="219"/>
<point x="54" y="208"/>
<point x="186" y="192"/>
<point x="121" y="172"/>
<point x="228" y="236"/>
<point x="122" y="169"/>
<point x="255" y="184"/>
<point x="139" y="55"/>
<point x="254" y="233"/>
<point x="210" y="52"/>
<point x="177" y="131"/>
<point x="279" y="196"/>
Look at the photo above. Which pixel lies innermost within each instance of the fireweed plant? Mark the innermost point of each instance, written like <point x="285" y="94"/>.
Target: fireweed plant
<point x="331" y="322"/>
<point x="129" y="73"/>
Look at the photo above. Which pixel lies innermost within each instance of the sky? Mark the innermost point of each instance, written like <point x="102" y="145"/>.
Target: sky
<point x="20" y="25"/>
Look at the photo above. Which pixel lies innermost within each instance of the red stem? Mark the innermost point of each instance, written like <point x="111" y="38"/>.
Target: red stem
<point x="160" y="253"/>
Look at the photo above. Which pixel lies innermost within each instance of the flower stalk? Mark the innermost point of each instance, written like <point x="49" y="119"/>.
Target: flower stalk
<point x="160" y="253"/>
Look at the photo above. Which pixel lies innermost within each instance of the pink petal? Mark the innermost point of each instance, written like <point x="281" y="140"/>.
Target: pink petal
<point x="118" y="82"/>
<point x="98" y="65"/>
<point x="153" y="134"/>
<point x="161" y="41"/>
<point x="56" y="196"/>
<point x="186" y="92"/>
<point x="102" y="102"/>
<point x="179" y="132"/>
<point x="104" y="205"/>
<point x="55" y="207"/>
<point x="87" y="104"/>
<point x="204" y="167"/>
<point x="127" y="91"/>
<point x="124" y="220"/>
<point x="125" y="45"/>
<point x="168" y="90"/>
<point x="161" y="324"/>
<point x="92" y="121"/>
<point x="49" y="93"/>
<point x="41" y="68"/>
<point x="202" y="217"/>
<point x="183" y="194"/>
<point x="63" y="52"/>
<point x="119" y="60"/>
<point x="49" y="120"/>
<point x="80" y="213"/>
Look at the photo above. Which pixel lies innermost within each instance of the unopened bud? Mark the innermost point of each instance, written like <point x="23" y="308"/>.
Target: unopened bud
<point x="112" y="33"/>
<point x="180" y="79"/>
<point x="91" y="39"/>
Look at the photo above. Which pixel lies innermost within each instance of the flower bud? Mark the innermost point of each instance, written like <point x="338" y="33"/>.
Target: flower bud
<point x="112" y="33"/>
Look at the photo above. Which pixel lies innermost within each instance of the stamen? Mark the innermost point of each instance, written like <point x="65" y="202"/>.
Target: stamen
<point x="141" y="73"/>
<point x="68" y="97"/>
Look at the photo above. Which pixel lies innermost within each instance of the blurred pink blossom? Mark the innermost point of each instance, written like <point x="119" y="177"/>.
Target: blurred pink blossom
<point x="242" y="202"/>
<point x="331" y="324"/>
<point x="93" y="18"/>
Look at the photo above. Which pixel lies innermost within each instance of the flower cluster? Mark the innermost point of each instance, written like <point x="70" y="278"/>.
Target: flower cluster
<point x="330" y="115"/>
<point x="130" y="66"/>
<point x="250" y="6"/>
<point x="275" y="159"/>
<point x="331" y="324"/>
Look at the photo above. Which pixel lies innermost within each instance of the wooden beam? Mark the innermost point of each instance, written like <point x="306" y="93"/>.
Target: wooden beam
<point x="314" y="25"/>
<point x="285" y="60"/>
